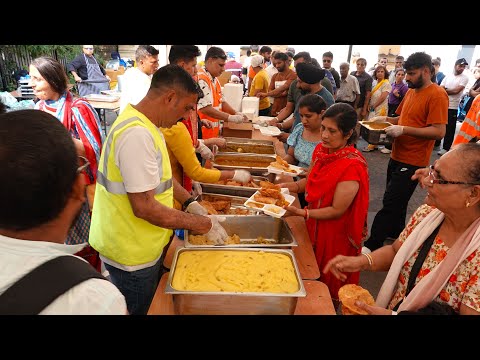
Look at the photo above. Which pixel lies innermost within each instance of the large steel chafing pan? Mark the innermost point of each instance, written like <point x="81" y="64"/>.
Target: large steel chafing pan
<point x="254" y="163"/>
<point x="244" y="146"/>
<point x="275" y="231"/>
<point x="244" y="191"/>
<point x="237" y="202"/>
<point x="234" y="303"/>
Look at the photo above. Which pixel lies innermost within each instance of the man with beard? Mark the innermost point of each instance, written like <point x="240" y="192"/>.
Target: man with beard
<point x="44" y="186"/>
<point x="421" y="121"/>
<point x="280" y="83"/>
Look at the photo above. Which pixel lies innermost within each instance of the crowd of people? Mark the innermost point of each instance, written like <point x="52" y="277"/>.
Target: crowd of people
<point x="123" y="195"/>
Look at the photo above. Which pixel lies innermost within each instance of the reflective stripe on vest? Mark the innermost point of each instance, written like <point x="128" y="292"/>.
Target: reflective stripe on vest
<point x="118" y="187"/>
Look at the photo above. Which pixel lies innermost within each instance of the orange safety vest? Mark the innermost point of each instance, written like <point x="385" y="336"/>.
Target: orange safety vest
<point x="216" y="91"/>
<point x="471" y="125"/>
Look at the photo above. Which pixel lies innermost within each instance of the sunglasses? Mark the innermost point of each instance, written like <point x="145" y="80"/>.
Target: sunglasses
<point x="327" y="61"/>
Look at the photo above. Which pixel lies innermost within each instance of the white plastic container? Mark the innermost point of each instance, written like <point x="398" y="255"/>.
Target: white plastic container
<point x="250" y="105"/>
<point x="233" y="95"/>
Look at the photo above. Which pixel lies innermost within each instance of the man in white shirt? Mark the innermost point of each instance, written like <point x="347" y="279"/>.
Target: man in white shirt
<point x="136" y="80"/>
<point x="349" y="90"/>
<point x="454" y="84"/>
<point x="44" y="185"/>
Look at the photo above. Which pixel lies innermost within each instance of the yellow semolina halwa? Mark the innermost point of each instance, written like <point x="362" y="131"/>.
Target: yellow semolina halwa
<point x="235" y="271"/>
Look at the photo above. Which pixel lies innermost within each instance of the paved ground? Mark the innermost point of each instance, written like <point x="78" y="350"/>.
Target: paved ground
<point x="377" y="163"/>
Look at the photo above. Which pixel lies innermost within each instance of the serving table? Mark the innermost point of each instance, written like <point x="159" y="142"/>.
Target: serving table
<point x="317" y="301"/>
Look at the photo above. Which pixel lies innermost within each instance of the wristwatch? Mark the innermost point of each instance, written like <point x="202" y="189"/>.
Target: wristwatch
<point x="188" y="202"/>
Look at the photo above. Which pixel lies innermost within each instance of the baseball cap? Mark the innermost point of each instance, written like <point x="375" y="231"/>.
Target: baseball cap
<point x="461" y="61"/>
<point x="230" y="55"/>
<point x="257" y="60"/>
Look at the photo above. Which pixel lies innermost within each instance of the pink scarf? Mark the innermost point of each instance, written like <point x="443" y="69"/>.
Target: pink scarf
<point x="428" y="288"/>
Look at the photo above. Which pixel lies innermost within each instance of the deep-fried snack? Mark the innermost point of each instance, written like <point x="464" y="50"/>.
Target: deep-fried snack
<point x="281" y="161"/>
<point x="274" y="193"/>
<point x="350" y="293"/>
<point x="268" y="185"/>
<point x="264" y="199"/>
<point x="221" y="205"/>
<point x="208" y="205"/>
<point x="282" y="167"/>
<point x="255" y="205"/>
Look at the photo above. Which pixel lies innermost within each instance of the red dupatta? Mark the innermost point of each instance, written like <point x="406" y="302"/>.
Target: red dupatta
<point x="327" y="170"/>
<point x="89" y="122"/>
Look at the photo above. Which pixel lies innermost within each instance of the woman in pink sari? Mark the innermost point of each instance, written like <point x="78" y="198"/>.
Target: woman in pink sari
<point x="435" y="262"/>
<point x="336" y="189"/>
<point x="49" y="82"/>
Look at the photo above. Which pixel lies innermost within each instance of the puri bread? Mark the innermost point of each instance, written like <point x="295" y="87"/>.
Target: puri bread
<point x="350" y="293"/>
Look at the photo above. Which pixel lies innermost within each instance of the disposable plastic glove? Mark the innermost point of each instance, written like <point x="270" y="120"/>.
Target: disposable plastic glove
<point x="394" y="130"/>
<point x="204" y="151"/>
<point x="242" y="176"/>
<point x="217" y="233"/>
<point x="196" y="189"/>
<point x="245" y="117"/>
<point x="195" y="208"/>
<point x="237" y="119"/>
<point x="378" y="119"/>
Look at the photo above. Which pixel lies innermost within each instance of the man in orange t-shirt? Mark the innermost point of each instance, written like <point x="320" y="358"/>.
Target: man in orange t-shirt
<point x="423" y="115"/>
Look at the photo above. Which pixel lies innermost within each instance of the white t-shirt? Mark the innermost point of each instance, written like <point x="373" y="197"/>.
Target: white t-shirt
<point x="135" y="85"/>
<point x="90" y="297"/>
<point x="133" y="144"/>
<point x="451" y="81"/>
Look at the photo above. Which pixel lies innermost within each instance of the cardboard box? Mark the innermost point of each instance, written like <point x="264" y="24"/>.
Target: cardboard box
<point x="114" y="73"/>
<point x="244" y="130"/>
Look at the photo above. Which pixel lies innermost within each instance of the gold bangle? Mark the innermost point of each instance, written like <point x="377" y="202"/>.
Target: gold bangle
<point x="370" y="259"/>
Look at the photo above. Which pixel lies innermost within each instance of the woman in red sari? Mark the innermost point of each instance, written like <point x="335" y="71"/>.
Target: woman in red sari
<point x="336" y="189"/>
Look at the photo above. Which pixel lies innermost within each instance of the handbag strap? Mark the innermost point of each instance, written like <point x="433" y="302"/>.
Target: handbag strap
<point x="417" y="265"/>
<point x="41" y="286"/>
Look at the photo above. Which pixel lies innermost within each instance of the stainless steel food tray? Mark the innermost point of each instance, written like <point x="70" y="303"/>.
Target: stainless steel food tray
<point x="249" y="146"/>
<point x="249" y="227"/>
<point x="236" y="202"/>
<point x="258" y="169"/>
<point x="236" y="190"/>
<point x="234" y="303"/>
<point x="374" y="136"/>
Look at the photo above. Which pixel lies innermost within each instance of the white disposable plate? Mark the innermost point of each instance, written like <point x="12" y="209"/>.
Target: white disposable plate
<point x="270" y="131"/>
<point x="102" y="97"/>
<point x="288" y="198"/>
<point x="274" y="210"/>
<point x="298" y="170"/>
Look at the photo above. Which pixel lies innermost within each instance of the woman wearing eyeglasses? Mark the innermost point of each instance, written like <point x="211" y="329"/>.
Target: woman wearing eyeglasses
<point x="49" y="82"/>
<point x="91" y="78"/>
<point x="433" y="266"/>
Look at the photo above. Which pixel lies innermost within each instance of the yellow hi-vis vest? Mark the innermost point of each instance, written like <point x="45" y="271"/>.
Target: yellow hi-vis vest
<point x="115" y="232"/>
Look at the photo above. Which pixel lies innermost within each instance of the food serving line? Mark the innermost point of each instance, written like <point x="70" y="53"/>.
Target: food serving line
<point x="317" y="300"/>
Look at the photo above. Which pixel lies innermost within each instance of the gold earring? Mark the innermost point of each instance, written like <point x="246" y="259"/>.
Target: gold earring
<point x="468" y="203"/>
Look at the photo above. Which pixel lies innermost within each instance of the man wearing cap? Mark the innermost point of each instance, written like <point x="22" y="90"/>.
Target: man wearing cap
<point x="266" y="53"/>
<point x="260" y="84"/>
<point x="308" y="82"/>
<point x="454" y="84"/>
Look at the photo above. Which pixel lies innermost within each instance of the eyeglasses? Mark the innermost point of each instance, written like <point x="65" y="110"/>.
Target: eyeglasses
<point x="326" y="60"/>
<point x="88" y="48"/>
<point x="434" y="180"/>
<point x="84" y="166"/>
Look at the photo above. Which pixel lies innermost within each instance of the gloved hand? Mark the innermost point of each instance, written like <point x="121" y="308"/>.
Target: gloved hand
<point x="378" y="119"/>
<point x="217" y="232"/>
<point x="195" y="208"/>
<point x="203" y="150"/>
<point x="196" y="189"/>
<point x="245" y="117"/>
<point x="394" y="130"/>
<point x="237" y="119"/>
<point x="242" y="176"/>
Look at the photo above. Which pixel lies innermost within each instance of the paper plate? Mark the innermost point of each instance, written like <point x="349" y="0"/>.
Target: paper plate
<point x="298" y="170"/>
<point x="270" y="130"/>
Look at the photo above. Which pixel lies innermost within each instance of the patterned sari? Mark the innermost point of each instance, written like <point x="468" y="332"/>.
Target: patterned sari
<point x="377" y="91"/>
<point x="83" y="123"/>
<point x="343" y="235"/>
